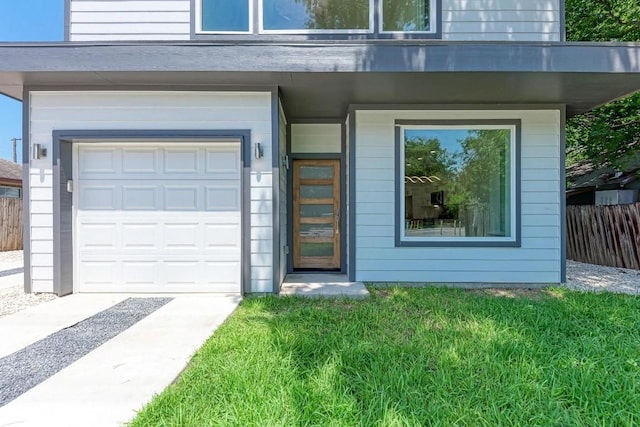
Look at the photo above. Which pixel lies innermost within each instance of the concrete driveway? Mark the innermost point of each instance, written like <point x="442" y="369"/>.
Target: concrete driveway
<point x="109" y="384"/>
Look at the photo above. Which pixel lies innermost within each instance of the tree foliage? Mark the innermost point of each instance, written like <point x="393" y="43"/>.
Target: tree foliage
<point x="610" y="133"/>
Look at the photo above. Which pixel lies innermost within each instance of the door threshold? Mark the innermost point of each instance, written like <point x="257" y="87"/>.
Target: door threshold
<point x="310" y="271"/>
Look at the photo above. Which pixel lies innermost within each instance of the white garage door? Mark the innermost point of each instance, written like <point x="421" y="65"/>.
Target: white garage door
<point x="154" y="217"/>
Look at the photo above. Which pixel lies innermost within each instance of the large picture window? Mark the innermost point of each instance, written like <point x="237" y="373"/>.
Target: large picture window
<point x="316" y="16"/>
<point x="408" y="16"/>
<point x="458" y="182"/>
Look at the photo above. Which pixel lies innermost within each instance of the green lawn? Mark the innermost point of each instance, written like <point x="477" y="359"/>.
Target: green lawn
<point x="410" y="357"/>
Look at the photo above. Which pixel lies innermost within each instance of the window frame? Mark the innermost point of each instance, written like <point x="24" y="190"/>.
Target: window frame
<point x="435" y="7"/>
<point x="514" y="240"/>
<point x="256" y="29"/>
<point x="199" y="24"/>
<point x="5" y="188"/>
<point x="262" y="30"/>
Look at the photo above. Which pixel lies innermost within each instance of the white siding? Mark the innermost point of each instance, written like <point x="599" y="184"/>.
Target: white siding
<point x="150" y="111"/>
<point x="501" y="20"/>
<point x="95" y="20"/>
<point x="537" y="260"/>
<point x="316" y="138"/>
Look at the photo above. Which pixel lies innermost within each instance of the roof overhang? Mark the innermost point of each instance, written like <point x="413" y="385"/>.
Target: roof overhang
<point x="8" y="182"/>
<point x="321" y="80"/>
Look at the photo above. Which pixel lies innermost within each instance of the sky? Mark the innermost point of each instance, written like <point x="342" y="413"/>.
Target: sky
<point x="25" y="20"/>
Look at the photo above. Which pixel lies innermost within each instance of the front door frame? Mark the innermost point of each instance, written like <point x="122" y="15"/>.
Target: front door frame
<point x="339" y="199"/>
<point x="345" y="223"/>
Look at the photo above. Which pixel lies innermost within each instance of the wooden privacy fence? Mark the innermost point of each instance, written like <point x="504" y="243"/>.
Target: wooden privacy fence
<point x="10" y="224"/>
<point x="605" y="235"/>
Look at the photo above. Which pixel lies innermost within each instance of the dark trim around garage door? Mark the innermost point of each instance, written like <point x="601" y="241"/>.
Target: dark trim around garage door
<point x="63" y="262"/>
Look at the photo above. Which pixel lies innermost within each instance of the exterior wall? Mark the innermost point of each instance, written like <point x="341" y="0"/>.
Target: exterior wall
<point x="95" y="20"/>
<point x="283" y="195"/>
<point x="502" y="20"/>
<point x="486" y="20"/>
<point x="316" y="138"/>
<point x="538" y="260"/>
<point x="51" y="111"/>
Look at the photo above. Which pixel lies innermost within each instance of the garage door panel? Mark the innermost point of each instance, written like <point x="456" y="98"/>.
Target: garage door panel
<point x="222" y="164"/>
<point x="97" y="162"/>
<point x="140" y="272"/>
<point x="222" y="198"/>
<point x="96" y="272"/>
<point x="181" y="161"/>
<point x="140" y="161"/>
<point x="140" y="236"/>
<point x="160" y="195"/>
<point x="181" y="272"/>
<point x="98" y="197"/>
<point x="219" y="272"/>
<point x="155" y="160"/>
<point x="140" y="198"/>
<point x="222" y="235"/>
<point x="159" y="219"/>
<point x="183" y="197"/>
<point x="98" y="235"/>
<point x="182" y="236"/>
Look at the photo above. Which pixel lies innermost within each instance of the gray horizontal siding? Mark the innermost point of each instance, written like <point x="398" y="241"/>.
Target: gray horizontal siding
<point x="501" y="20"/>
<point x="498" y="20"/>
<point x="537" y="260"/>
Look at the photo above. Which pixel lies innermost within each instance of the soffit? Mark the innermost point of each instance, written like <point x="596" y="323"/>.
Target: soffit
<point x="321" y="80"/>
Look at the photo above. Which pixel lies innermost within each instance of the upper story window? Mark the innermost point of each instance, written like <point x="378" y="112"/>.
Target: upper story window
<point x="408" y="16"/>
<point x="303" y="16"/>
<point x="224" y="16"/>
<point x="316" y="17"/>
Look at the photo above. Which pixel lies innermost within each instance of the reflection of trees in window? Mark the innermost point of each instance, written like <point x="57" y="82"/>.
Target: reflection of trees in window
<point x="317" y="14"/>
<point x="337" y="14"/>
<point x="485" y="177"/>
<point x="406" y="15"/>
<point x="425" y="157"/>
<point x="475" y="179"/>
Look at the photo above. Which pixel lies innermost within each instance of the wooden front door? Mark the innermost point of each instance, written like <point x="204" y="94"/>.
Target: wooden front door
<point x="316" y="214"/>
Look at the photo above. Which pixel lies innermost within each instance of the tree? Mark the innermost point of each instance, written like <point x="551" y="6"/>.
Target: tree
<point x="610" y="133"/>
<point x="425" y="157"/>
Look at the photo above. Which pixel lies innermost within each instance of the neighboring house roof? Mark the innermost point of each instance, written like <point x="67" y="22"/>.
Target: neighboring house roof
<point x="10" y="173"/>
<point x="586" y="175"/>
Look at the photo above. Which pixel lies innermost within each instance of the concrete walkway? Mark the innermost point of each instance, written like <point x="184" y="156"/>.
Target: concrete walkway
<point x="108" y="386"/>
<point x="322" y="286"/>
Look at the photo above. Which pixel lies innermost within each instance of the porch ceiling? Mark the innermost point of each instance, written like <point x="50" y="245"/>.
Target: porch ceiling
<point x="321" y="80"/>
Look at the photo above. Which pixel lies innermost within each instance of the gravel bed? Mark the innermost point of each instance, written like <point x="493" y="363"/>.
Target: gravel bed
<point x="14" y="299"/>
<point x="12" y="296"/>
<point x="591" y="277"/>
<point x="10" y="260"/>
<point x="26" y="368"/>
